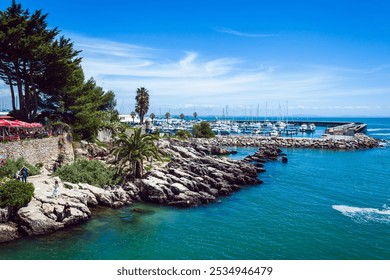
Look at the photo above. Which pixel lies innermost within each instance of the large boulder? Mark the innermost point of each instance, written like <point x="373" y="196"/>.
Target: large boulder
<point x="178" y="188"/>
<point x="103" y="197"/>
<point x="4" y="215"/>
<point x="8" y="232"/>
<point x="151" y="191"/>
<point x="33" y="220"/>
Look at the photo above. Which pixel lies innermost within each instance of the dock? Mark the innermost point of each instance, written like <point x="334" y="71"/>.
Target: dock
<point x="349" y="129"/>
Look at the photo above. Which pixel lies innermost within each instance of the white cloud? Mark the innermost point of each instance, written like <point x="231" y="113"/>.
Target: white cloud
<point x="191" y="78"/>
<point x="350" y="107"/>
<point x="242" y="34"/>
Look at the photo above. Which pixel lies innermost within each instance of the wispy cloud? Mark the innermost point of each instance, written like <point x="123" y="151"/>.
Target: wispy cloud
<point x="242" y="34"/>
<point x="190" y="79"/>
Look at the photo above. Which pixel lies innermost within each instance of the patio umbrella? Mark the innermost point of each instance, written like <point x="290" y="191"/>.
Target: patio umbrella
<point x="34" y="124"/>
<point x="7" y="123"/>
<point x="21" y="124"/>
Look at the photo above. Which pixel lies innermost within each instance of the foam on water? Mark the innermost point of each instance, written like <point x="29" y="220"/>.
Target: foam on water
<point x="364" y="215"/>
<point x="378" y="129"/>
<point x="380" y="134"/>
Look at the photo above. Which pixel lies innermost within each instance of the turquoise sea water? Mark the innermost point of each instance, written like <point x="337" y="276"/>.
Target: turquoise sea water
<point x="321" y="205"/>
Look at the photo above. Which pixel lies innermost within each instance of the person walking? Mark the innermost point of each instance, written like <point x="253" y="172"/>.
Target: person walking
<point x="55" y="188"/>
<point x="24" y="173"/>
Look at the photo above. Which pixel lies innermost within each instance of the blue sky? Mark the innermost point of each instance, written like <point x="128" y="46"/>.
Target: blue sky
<point x="328" y="58"/>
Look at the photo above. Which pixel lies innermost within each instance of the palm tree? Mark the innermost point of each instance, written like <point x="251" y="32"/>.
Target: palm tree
<point x="182" y="116"/>
<point x="152" y="116"/>
<point x="133" y="115"/>
<point x="142" y="105"/>
<point x="131" y="151"/>
<point x="167" y="116"/>
<point x="195" y="115"/>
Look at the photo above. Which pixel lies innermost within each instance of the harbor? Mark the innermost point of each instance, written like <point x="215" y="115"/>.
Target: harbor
<point x="271" y="128"/>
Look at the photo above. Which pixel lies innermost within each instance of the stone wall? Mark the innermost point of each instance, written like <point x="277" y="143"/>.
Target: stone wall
<point x="44" y="151"/>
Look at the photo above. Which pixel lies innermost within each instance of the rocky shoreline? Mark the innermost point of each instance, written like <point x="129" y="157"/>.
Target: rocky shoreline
<point x="193" y="176"/>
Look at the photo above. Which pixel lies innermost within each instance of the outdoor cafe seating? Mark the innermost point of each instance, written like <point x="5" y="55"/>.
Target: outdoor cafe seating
<point x="12" y="130"/>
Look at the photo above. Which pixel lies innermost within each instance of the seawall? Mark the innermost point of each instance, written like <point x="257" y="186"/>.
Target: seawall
<point x="360" y="141"/>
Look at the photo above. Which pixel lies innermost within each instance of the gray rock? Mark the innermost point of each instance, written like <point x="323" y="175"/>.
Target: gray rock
<point x="103" y="197"/>
<point x="178" y="188"/>
<point x="34" y="221"/>
<point x="8" y="232"/>
<point x="4" y="215"/>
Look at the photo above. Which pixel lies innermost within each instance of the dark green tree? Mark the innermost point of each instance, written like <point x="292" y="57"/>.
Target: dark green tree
<point x="182" y="116"/>
<point x="33" y="60"/>
<point x="142" y="103"/>
<point x="195" y="115"/>
<point x="202" y="130"/>
<point x="90" y="110"/>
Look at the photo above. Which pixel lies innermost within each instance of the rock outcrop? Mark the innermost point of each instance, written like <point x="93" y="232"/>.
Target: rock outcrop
<point x="45" y="213"/>
<point x="8" y="232"/>
<point x="193" y="178"/>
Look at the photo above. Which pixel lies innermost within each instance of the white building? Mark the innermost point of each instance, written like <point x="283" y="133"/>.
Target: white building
<point x="128" y="119"/>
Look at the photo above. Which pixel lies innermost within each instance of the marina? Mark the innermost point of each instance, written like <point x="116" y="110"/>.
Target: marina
<point x="271" y="128"/>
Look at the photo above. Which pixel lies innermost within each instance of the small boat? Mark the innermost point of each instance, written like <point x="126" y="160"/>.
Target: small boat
<point x="311" y="128"/>
<point x="303" y="128"/>
<point x="274" y="133"/>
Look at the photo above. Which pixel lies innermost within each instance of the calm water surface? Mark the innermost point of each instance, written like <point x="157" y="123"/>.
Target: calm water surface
<point x="321" y="205"/>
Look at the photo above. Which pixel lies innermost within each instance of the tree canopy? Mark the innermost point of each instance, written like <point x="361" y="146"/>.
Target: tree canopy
<point x="44" y="75"/>
<point x="34" y="63"/>
<point x="202" y="130"/>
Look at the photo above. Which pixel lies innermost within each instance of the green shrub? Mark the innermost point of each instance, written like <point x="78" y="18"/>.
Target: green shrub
<point x="92" y="172"/>
<point x="202" y="130"/>
<point x="11" y="167"/>
<point x="183" y="134"/>
<point x="15" y="194"/>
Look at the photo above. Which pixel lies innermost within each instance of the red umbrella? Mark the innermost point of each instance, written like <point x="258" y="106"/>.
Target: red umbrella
<point x="34" y="124"/>
<point x="16" y="123"/>
<point x="6" y="123"/>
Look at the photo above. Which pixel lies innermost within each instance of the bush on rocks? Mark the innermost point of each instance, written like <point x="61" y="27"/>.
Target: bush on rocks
<point x="12" y="166"/>
<point x="202" y="130"/>
<point x="15" y="194"/>
<point x="183" y="134"/>
<point x="92" y="172"/>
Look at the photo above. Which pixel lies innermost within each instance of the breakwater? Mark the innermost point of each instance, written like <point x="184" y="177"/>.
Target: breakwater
<point x="359" y="141"/>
